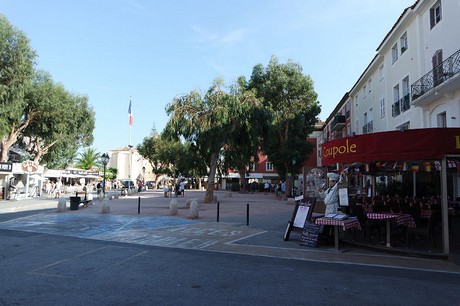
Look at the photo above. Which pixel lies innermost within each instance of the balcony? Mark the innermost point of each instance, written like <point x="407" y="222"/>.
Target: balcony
<point x="443" y="79"/>
<point x="400" y="106"/>
<point x="338" y="122"/>
<point x="368" y="127"/>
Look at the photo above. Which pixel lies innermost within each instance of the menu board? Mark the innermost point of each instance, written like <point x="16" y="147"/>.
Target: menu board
<point x="343" y="196"/>
<point x="310" y="234"/>
<point x="301" y="216"/>
<point x="302" y="213"/>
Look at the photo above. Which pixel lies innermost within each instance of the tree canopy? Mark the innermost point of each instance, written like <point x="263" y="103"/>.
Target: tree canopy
<point x="290" y="97"/>
<point x="36" y="113"/>
<point x="209" y="121"/>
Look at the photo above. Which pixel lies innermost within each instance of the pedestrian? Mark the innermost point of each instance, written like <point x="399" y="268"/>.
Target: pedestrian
<point x="266" y="187"/>
<point x="57" y="189"/>
<point x="48" y="188"/>
<point x="182" y="188"/>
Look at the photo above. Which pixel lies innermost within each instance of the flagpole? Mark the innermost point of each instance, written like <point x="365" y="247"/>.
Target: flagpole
<point x="130" y="120"/>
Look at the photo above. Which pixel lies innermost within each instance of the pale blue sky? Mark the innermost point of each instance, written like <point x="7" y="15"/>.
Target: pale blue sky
<point x="155" y="50"/>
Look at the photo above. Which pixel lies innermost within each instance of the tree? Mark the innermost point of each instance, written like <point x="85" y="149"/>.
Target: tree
<point x="61" y="122"/>
<point x="150" y="149"/>
<point x="89" y="159"/>
<point x="290" y="98"/>
<point x="16" y="71"/>
<point x="207" y="122"/>
<point x="243" y="145"/>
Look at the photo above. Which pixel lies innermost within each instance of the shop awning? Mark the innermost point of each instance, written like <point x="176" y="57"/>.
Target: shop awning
<point x="416" y="144"/>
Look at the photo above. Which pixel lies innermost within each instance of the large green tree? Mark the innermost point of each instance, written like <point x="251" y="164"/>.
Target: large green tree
<point x="208" y="122"/>
<point x="62" y="121"/>
<point x="16" y="71"/>
<point x="243" y="146"/>
<point x="290" y="98"/>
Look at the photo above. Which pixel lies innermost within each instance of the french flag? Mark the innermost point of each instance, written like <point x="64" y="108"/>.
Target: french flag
<point x="130" y="114"/>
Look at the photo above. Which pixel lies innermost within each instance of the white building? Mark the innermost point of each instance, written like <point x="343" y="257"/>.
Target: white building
<point x="413" y="81"/>
<point x="130" y="164"/>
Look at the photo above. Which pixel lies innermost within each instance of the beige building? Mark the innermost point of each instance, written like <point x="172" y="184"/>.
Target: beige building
<point x="130" y="164"/>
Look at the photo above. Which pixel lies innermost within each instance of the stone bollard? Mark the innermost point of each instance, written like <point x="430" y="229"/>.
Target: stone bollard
<point x="194" y="209"/>
<point x="62" y="205"/>
<point x="117" y="195"/>
<point x="100" y="197"/>
<point x="90" y="198"/>
<point x="173" y="207"/>
<point x="105" y="207"/>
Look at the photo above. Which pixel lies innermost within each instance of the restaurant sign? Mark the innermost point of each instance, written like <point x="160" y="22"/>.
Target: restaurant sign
<point x="6" y="167"/>
<point x="416" y="144"/>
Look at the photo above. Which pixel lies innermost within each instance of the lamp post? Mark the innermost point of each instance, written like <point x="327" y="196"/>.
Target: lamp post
<point x="143" y="176"/>
<point x="293" y="178"/>
<point x="105" y="160"/>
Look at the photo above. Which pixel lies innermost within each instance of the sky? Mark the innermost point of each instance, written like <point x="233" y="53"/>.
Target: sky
<point x="151" y="51"/>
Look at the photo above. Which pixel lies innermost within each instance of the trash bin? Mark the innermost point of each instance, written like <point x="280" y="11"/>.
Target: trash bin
<point x="74" y="203"/>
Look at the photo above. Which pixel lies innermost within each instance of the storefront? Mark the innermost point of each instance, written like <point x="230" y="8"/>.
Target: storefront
<point x="424" y="161"/>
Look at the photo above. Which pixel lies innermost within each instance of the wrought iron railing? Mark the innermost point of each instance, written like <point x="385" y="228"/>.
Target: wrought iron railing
<point x="441" y="73"/>
<point x="368" y="127"/>
<point x="400" y="106"/>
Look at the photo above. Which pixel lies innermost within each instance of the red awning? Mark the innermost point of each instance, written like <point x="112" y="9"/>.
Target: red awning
<point x="417" y="144"/>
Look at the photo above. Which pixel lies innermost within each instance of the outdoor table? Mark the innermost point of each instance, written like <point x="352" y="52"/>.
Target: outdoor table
<point x="345" y="224"/>
<point x="401" y="219"/>
<point x="426" y="213"/>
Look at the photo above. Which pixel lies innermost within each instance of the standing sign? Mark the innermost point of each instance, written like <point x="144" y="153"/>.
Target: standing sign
<point x="302" y="213"/>
<point x="343" y="196"/>
<point x="310" y="234"/>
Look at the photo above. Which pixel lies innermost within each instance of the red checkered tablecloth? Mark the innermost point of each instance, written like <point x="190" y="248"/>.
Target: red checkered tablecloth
<point x="345" y="224"/>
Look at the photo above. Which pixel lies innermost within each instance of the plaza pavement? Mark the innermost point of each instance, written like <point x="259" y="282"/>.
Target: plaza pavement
<point x="145" y="218"/>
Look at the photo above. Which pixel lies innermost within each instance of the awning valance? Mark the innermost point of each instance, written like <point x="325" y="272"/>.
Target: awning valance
<point x="416" y="144"/>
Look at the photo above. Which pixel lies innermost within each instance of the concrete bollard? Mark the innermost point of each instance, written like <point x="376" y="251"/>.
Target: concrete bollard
<point x="105" y="207"/>
<point x="90" y="198"/>
<point x="100" y="197"/>
<point x="194" y="209"/>
<point x="62" y="205"/>
<point x="173" y="207"/>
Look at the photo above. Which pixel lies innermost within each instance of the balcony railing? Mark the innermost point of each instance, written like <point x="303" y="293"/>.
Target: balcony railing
<point x="338" y="122"/>
<point x="368" y="127"/>
<point x="437" y="76"/>
<point x="400" y="106"/>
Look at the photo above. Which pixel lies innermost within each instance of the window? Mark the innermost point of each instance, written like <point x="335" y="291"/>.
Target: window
<point x="394" y="53"/>
<point x="396" y="93"/>
<point x="369" y="86"/>
<point x="269" y="166"/>
<point x="435" y="14"/>
<point x="382" y="107"/>
<point x="442" y="120"/>
<point x="381" y="72"/>
<point x="364" y="91"/>
<point x="356" y="100"/>
<point x="403" y="42"/>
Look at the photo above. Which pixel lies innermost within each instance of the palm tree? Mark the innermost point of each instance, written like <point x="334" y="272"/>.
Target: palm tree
<point x="89" y="159"/>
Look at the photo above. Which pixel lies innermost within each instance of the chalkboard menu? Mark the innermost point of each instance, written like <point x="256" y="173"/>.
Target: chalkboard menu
<point x="310" y="234"/>
<point x="302" y="213"/>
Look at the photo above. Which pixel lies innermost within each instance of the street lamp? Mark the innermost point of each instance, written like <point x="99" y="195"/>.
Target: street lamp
<point x="143" y="176"/>
<point x="105" y="160"/>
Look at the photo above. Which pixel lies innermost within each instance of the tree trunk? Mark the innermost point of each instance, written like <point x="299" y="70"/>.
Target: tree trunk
<point x="243" y="184"/>
<point x="209" y="196"/>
